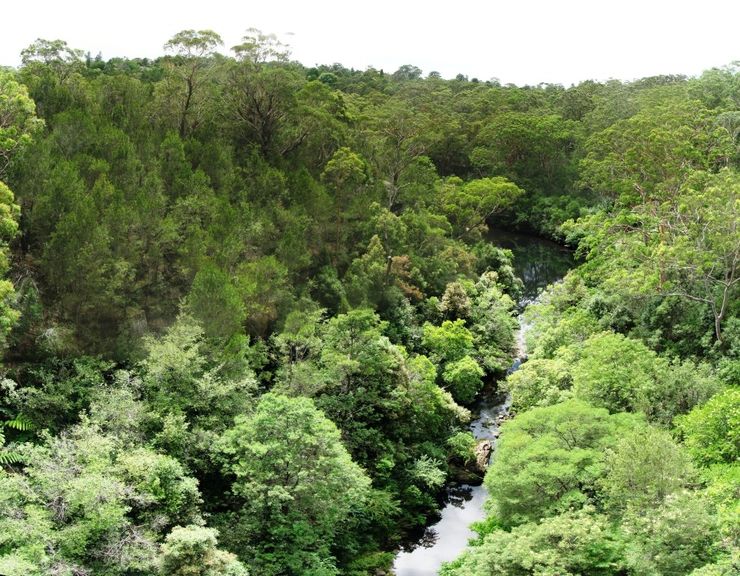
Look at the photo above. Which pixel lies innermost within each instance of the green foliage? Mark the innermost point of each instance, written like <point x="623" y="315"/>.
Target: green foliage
<point x="554" y="330"/>
<point x="61" y="390"/>
<point x="530" y="148"/>
<point x="712" y="431"/>
<point x="613" y="371"/>
<point x="449" y="342"/>
<point x="571" y="543"/>
<point x="462" y="446"/>
<point x="428" y="472"/>
<point x="18" y="122"/>
<point x="192" y="551"/>
<point x="463" y="377"/>
<point x="84" y="503"/>
<point x="539" y="382"/>
<point x="674" y="538"/>
<point x="548" y="460"/>
<point x="7" y="454"/>
<point x="294" y="483"/>
<point x="263" y="287"/>
<point x="196" y="391"/>
<point x="469" y="205"/>
<point x="215" y="303"/>
<point x="368" y="276"/>
<point x="493" y="324"/>
<point x="643" y="468"/>
<point x="173" y="206"/>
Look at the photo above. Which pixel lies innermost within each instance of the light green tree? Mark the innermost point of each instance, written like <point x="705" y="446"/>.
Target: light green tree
<point x="548" y="460"/>
<point x="643" y="468"/>
<point x="712" y="432"/>
<point x="294" y="482"/>
<point x="569" y="544"/>
<point x="192" y="551"/>
<point x="18" y="122"/>
<point x="84" y="502"/>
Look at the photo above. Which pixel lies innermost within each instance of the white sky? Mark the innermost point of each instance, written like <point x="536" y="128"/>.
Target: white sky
<point x="517" y="41"/>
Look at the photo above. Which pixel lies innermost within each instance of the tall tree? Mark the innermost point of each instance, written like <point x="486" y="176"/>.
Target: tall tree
<point x="193" y="50"/>
<point x="18" y="121"/>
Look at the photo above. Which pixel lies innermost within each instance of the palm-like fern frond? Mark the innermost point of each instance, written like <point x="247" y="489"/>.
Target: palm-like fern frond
<point x="20" y="423"/>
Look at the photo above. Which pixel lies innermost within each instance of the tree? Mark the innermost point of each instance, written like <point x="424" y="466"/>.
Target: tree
<point x="192" y="551"/>
<point x="259" y="48"/>
<point x="18" y="122"/>
<point x="645" y="159"/>
<point x="193" y="49"/>
<point x="407" y="72"/>
<point x="449" y="342"/>
<point x="294" y="483"/>
<point x="363" y="371"/>
<point x="699" y="250"/>
<point x="9" y="213"/>
<point x="216" y="303"/>
<point x="672" y="225"/>
<point x="676" y="537"/>
<point x="492" y="324"/>
<point x="88" y="503"/>
<point x="464" y="378"/>
<point x="195" y="389"/>
<point x="572" y="543"/>
<point x="532" y="149"/>
<point x="539" y="382"/>
<point x="50" y="52"/>
<point x="263" y="105"/>
<point x="264" y="290"/>
<point x="642" y="469"/>
<point x="548" y="460"/>
<point x="614" y="372"/>
<point x="398" y="136"/>
<point x="369" y="276"/>
<point x="455" y="303"/>
<point x="51" y="70"/>
<point x="346" y="176"/>
<point x="712" y="432"/>
<point x="469" y="205"/>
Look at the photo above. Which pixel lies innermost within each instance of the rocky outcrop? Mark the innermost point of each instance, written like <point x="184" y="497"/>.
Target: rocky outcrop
<point x="482" y="454"/>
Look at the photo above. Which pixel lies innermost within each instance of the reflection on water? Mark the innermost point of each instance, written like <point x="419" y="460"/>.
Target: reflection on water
<point x="538" y="263"/>
<point x="459" y="495"/>
<point x="445" y="540"/>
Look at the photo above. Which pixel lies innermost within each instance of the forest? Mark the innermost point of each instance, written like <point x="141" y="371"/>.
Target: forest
<point x="247" y="307"/>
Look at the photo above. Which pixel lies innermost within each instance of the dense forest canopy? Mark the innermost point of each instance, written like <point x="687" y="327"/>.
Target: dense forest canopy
<point x="247" y="307"/>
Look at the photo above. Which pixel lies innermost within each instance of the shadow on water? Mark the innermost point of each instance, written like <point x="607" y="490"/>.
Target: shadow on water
<point x="538" y="262"/>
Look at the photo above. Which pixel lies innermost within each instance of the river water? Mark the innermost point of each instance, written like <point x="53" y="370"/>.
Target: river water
<point x="538" y="262"/>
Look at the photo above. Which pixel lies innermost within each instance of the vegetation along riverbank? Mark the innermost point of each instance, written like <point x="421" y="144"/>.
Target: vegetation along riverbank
<point x="247" y="307"/>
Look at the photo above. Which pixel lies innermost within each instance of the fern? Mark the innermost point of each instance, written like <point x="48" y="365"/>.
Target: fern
<point x="8" y="457"/>
<point x="20" y="423"/>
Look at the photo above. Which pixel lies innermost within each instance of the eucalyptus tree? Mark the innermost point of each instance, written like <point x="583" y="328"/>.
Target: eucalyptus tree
<point x="193" y="57"/>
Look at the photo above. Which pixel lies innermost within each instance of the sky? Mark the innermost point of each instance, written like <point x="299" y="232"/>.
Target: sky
<point x="515" y="41"/>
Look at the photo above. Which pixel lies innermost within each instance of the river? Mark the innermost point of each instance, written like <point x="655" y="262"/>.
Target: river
<point x="538" y="262"/>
